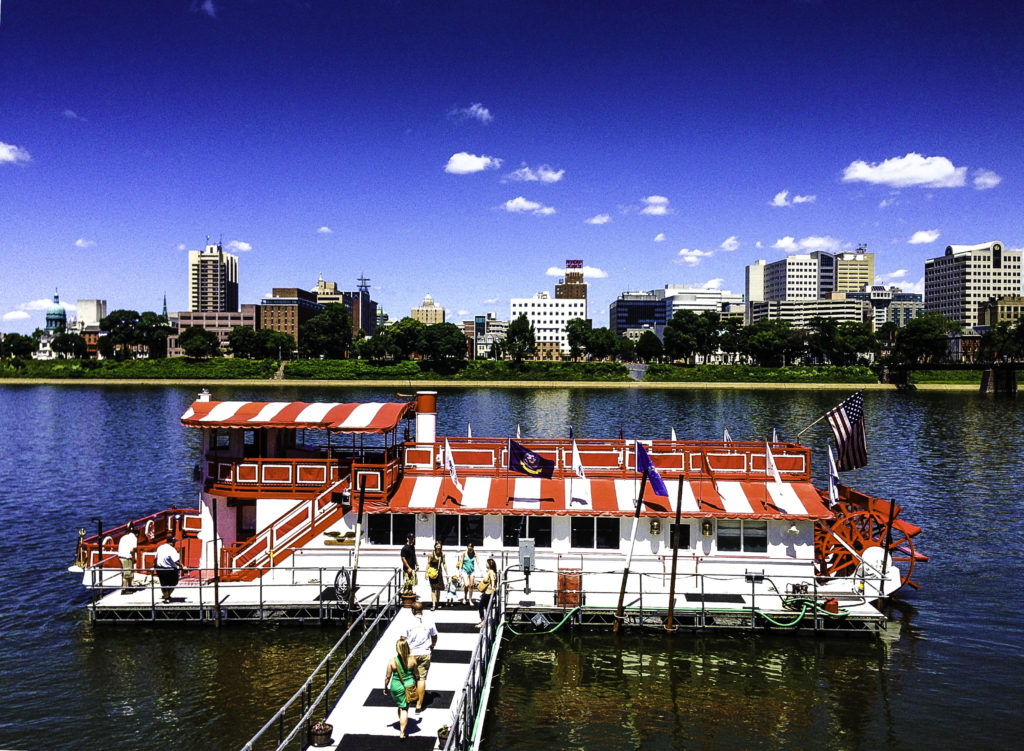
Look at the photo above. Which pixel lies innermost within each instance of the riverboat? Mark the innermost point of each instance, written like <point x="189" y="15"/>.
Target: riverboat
<point x="295" y="498"/>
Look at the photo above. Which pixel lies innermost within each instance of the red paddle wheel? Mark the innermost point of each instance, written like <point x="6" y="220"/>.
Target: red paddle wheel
<point x="863" y="522"/>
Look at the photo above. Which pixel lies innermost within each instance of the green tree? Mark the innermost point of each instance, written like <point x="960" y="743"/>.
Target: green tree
<point x="70" y="345"/>
<point x="772" y="342"/>
<point x="274" y="345"/>
<point x="999" y="342"/>
<point x="520" y="341"/>
<point x="707" y="334"/>
<point x="19" y="346"/>
<point x="649" y="348"/>
<point x="602" y="343"/>
<point x="627" y="349"/>
<point x="328" y="334"/>
<point x="444" y="341"/>
<point x="242" y="342"/>
<point x="198" y="343"/>
<point x="577" y="332"/>
<point x="924" y="339"/>
<point x="120" y="326"/>
<point x="151" y="331"/>
<point x="853" y="339"/>
<point x="681" y="333"/>
<point x="730" y="338"/>
<point x="823" y="339"/>
<point x="406" y="336"/>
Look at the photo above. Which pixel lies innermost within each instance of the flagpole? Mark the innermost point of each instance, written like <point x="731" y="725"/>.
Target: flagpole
<point x="674" y="538"/>
<point x="629" y="558"/>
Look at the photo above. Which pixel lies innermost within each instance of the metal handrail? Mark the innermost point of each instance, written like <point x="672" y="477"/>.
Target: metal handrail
<point x="387" y="593"/>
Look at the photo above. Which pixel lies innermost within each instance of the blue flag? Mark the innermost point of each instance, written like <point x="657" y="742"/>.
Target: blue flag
<point x="521" y="459"/>
<point x="644" y="464"/>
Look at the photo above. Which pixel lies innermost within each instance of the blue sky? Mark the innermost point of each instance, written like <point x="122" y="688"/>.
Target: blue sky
<point x="465" y="149"/>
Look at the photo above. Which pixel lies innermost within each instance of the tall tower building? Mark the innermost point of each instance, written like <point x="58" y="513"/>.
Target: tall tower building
<point x="572" y="287"/>
<point x="212" y="280"/>
<point x="957" y="283"/>
<point x="429" y="312"/>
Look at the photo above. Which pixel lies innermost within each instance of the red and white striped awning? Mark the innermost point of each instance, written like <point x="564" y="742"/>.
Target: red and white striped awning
<point x="371" y="417"/>
<point x="607" y="497"/>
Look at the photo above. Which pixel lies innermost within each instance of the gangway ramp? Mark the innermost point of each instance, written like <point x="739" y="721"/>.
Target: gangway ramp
<point x="365" y="717"/>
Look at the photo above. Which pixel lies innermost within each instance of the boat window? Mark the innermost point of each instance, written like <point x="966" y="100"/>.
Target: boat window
<point x="389" y="529"/>
<point x="536" y="527"/>
<point x="747" y="536"/>
<point x="458" y="530"/>
<point x="220" y="439"/>
<point x="589" y="532"/>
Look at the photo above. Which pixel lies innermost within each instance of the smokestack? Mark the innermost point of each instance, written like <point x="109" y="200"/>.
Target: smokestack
<point x="426" y="416"/>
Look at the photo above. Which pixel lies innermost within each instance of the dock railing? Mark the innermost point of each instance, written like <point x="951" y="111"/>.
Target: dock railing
<point x="313" y="700"/>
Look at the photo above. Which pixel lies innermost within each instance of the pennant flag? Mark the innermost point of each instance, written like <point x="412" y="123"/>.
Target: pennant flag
<point x="673" y="435"/>
<point x="725" y="436"/>
<point x="644" y="465"/>
<point x="775" y="435"/>
<point x="571" y="434"/>
<point x="577" y="463"/>
<point x="518" y="433"/>
<point x="469" y="430"/>
<point x="833" y="479"/>
<point x="521" y="459"/>
<point x="769" y="464"/>
<point x="847" y="421"/>
<point x="449" y="464"/>
<point x="706" y="463"/>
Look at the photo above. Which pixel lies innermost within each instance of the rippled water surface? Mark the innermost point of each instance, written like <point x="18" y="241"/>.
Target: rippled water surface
<point x="954" y="460"/>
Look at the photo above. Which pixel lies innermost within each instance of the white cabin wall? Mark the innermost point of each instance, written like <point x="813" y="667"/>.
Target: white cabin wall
<point x="269" y="510"/>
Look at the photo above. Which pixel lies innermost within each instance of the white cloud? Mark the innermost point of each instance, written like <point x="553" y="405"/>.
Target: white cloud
<point x="11" y="154"/>
<point x="463" y="313"/>
<point x="16" y="315"/>
<point x="782" y="199"/>
<point x="730" y="243"/>
<point x="923" y="236"/>
<point x="715" y="283"/>
<point x="985" y="179"/>
<point x="492" y="300"/>
<point x="907" y="171"/>
<point x="693" y="257"/>
<point x="520" y="205"/>
<point x="182" y="246"/>
<point x="239" y="246"/>
<point x="758" y="245"/>
<point x="886" y="202"/>
<point x="599" y="219"/>
<point x="42" y="303"/>
<point x="464" y="163"/>
<point x="660" y="237"/>
<point x="325" y="230"/>
<point x="475" y="111"/>
<point x="891" y="276"/>
<point x="83" y="243"/>
<point x="807" y="244"/>
<point x="655" y="206"/>
<point x="589" y="272"/>
<point x="543" y="174"/>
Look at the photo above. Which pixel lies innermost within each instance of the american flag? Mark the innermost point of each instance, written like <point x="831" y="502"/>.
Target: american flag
<point x="847" y="421"/>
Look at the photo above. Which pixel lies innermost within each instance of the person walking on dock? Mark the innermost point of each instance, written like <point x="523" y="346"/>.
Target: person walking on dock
<point x="422" y="637"/>
<point x="467" y="565"/>
<point x="168" y="564"/>
<point x="437" y="573"/>
<point x="401" y="676"/>
<point x="487" y="585"/>
<point x="126" y="555"/>
<point x="409" y="562"/>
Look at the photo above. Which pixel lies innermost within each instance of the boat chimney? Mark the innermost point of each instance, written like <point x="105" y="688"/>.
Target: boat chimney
<point x="426" y="416"/>
<point x="204" y="396"/>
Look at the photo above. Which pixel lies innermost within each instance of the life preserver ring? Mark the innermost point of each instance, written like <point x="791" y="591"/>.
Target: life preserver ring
<point x="149" y="530"/>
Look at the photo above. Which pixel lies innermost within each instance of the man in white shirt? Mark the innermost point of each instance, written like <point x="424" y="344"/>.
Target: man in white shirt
<point x="168" y="563"/>
<point x="421" y="633"/>
<point x="126" y="555"/>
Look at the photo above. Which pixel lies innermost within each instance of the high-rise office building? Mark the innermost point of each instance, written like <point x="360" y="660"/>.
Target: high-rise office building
<point x="212" y="280"/>
<point x="957" y="283"/>
<point x="429" y="312"/>
<point x="360" y="306"/>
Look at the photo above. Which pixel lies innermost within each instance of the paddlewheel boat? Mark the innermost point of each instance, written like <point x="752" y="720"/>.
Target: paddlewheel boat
<point x="293" y="496"/>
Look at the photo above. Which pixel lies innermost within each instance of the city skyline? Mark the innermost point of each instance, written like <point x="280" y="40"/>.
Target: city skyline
<point x="466" y="151"/>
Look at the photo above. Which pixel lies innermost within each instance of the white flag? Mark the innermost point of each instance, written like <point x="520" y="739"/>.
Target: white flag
<point x="725" y="436"/>
<point x="469" y="430"/>
<point x="449" y="464"/>
<point x="775" y="435"/>
<point x="577" y="463"/>
<point x="769" y="464"/>
<point x="673" y="434"/>
<point x="833" y="479"/>
<point x="518" y="432"/>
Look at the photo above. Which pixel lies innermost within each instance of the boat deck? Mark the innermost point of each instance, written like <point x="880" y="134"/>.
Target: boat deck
<point x="365" y="717"/>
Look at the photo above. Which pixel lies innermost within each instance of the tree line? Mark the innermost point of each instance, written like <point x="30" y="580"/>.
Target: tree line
<point x="688" y="338"/>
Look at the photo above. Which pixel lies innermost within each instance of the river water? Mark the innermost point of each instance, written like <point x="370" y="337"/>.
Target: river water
<point x="954" y="678"/>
